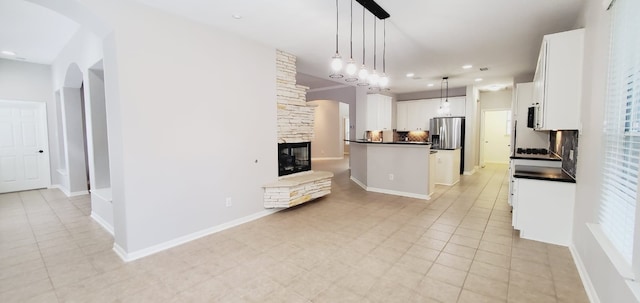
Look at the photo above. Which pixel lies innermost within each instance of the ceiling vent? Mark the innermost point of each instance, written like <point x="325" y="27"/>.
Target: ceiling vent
<point x="484" y="69"/>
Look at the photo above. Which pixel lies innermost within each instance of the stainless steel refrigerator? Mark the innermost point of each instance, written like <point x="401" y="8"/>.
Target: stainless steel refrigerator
<point x="448" y="133"/>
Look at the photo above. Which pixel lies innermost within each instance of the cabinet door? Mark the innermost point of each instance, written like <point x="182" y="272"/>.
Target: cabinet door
<point x="416" y="116"/>
<point x="401" y="116"/>
<point x="372" y="112"/>
<point x="384" y="113"/>
<point x="539" y="83"/>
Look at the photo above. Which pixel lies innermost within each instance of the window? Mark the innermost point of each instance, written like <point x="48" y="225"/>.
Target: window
<point x="622" y="130"/>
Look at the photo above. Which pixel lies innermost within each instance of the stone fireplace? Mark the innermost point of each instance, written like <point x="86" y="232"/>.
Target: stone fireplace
<point x="297" y="183"/>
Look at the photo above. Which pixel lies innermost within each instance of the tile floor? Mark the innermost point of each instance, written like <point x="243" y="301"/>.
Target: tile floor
<point x="352" y="246"/>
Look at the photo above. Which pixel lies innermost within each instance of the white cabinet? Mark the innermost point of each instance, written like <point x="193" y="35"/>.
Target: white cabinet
<point x="448" y="167"/>
<point x="557" y="81"/>
<point x="432" y="173"/>
<point x="416" y="116"/>
<point x="543" y="210"/>
<point x="402" y="122"/>
<point x="379" y="112"/>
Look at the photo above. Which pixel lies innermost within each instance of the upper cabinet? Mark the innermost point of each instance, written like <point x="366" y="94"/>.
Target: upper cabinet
<point x="558" y="81"/>
<point x="415" y="115"/>
<point x="379" y="111"/>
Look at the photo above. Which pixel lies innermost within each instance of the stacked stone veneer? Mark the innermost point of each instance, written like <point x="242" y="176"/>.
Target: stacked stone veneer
<point x="295" y="124"/>
<point x="295" y="117"/>
<point x="296" y="190"/>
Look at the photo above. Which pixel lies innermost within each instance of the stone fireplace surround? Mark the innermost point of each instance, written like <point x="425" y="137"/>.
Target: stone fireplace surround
<point x="295" y="125"/>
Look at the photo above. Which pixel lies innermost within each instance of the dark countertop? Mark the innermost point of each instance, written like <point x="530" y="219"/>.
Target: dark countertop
<point x="396" y="142"/>
<point x="542" y="173"/>
<point x="548" y="157"/>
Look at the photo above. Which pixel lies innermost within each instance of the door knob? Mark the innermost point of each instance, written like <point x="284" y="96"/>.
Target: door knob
<point x="41" y="151"/>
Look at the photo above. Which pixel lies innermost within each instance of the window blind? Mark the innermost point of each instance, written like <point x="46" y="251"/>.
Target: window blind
<point x="622" y="129"/>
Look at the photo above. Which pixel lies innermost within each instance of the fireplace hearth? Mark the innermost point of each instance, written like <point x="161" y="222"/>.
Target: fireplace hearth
<point x="294" y="158"/>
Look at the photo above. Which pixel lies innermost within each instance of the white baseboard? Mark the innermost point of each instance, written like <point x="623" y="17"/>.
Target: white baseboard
<point x="102" y="222"/>
<point x="398" y="193"/>
<point x="469" y="173"/>
<point x="452" y="184"/>
<point x="78" y="193"/>
<point x="131" y="256"/>
<point x="584" y="275"/>
<point x="358" y="182"/>
<point x="390" y="192"/>
<point x="327" y="158"/>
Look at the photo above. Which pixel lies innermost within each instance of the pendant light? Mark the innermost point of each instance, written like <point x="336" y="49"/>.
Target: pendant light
<point x="444" y="105"/>
<point x="363" y="74"/>
<point x="351" y="68"/>
<point x="374" y="77"/>
<point x="336" y="60"/>
<point x="384" y="80"/>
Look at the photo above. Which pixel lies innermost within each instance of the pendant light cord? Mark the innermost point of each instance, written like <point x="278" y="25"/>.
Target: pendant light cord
<point x="384" y="45"/>
<point x="351" y="34"/>
<point x="363" y="36"/>
<point x="375" y="34"/>
<point x="336" y="26"/>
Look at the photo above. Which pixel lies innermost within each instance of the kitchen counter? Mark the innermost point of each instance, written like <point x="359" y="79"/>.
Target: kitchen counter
<point x="548" y="157"/>
<point x="395" y="142"/>
<point x="542" y="173"/>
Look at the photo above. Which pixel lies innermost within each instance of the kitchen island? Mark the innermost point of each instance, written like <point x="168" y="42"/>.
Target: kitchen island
<point x="396" y="168"/>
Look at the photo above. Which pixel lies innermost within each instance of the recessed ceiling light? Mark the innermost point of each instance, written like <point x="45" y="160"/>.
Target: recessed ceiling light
<point x="495" y="87"/>
<point x="8" y="53"/>
<point x="430" y="84"/>
<point x="468" y="66"/>
<point x="236" y="16"/>
<point x="478" y="79"/>
<point x="410" y="75"/>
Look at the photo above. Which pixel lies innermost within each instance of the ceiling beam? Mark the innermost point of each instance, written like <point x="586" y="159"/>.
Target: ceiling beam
<point x="375" y="9"/>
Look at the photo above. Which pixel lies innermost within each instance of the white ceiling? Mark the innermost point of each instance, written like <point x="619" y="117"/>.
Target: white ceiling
<point x="36" y="34"/>
<point x="431" y="38"/>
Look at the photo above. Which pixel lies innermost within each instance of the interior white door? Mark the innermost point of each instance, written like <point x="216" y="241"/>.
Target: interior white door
<point x="496" y="136"/>
<point x="24" y="156"/>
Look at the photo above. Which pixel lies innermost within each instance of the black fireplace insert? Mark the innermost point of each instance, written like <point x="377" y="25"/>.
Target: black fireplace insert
<point x="293" y="158"/>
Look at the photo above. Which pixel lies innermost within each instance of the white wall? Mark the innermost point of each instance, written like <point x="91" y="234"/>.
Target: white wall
<point x="31" y="82"/>
<point x="496" y="100"/>
<point x="608" y="284"/>
<point x="472" y="129"/>
<point x="346" y="95"/>
<point x="171" y="91"/>
<point x="327" y="136"/>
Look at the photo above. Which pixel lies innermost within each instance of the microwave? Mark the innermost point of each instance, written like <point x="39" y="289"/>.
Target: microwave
<point x="531" y="117"/>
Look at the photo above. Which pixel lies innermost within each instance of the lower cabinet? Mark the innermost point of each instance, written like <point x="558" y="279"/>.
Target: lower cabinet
<point x="448" y="167"/>
<point x="543" y="210"/>
<point x="432" y="173"/>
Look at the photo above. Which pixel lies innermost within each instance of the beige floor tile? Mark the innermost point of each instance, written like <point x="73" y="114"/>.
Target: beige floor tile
<point x="532" y="282"/>
<point x="467" y="296"/>
<point x="531" y="268"/>
<point x="487" y="287"/>
<point x="454" y="261"/>
<point x="359" y="282"/>
<point x="490" y="271"/>
<point x="520" y="295"/>
<point x="447" y="274"/>
<point x="441" y="291"/>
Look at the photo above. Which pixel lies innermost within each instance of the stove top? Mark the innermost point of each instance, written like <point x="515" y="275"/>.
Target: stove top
<point x="532" y="151"/>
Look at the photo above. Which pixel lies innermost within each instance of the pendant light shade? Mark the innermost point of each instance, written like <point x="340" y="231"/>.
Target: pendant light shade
<point x="351" y="69"/>
<point x="444" y="105"/>
<point x="336" y="60"/>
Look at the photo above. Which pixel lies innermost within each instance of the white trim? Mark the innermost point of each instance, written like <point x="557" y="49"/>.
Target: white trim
<point x="452" y="184"/>
<point x="469" y="173"/>
<point x="398" y="193"/>
<point x="326" y="88"/>
<point x="618" y="261"/>
<point x="78" y="193"/>
<point x="327" y="158"/>
<point x="584" y="275"/>
<point x="131" y="256"/>
<point x="62" y="189"/>
<point x="102" y="222"/>
<point x="390" y="192"/>
<point x="359" y="183"/>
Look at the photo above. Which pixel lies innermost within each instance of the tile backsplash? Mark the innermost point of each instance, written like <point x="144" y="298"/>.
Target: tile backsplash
<point x="414" y="136"/>
<point x="562" y="143"/>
